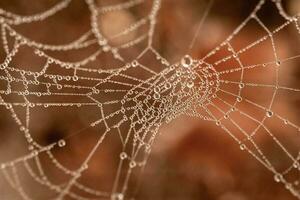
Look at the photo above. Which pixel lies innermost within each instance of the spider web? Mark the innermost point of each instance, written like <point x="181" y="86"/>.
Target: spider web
<point x="132" y="107"/>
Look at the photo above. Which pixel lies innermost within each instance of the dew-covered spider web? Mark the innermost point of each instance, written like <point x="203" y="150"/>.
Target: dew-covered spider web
<point x="128" y="99"/>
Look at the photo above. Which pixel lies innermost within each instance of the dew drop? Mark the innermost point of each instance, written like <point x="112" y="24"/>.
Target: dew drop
<point x="35" y="152"/>
<point x="61" y="143"/>
<point x="123" y="155"/>
<point x="120" y="196"/>
<point x="190" y="84"/>
<point x="156" y="89"/>
<point x="186" y="61"/>
<point x="277" y="177"/>
<point x="168" y="85"/>
<point x="132" y="164"/>
<point x="288" y="186"/>
<point x="156" y="96"/>
<point x="134" y="63"/>
<point x="241" y="85"/>
<point x="242" y="147"/>
<point x="117" y="196"/>
<point x="75" y="78"/>
<point x="269" y="113"/>
<point x="2" y="166"/>
<point x="278" y="63"/>
<point x="85" y="166"/>
<point x="22" y="128"/>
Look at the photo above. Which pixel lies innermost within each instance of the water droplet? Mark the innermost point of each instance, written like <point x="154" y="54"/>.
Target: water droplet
<point x="186" y="61"/>
<point x="156" y="89"/>
<point x="85" y="166"/>
<point x="35" y="152"/>
<point x="123" y="155"/>
<point x="278" y="63"/>
<point x="120" y="196"/>
<point x="242" y="147"/>
<point x="277" y="177"/>
<point x="168" y="85"/>
<point x="59" y="87"/>
<point x="61" y="143"/>
<point x="288" y="186"/>
<point x="241" y="85"/>
<point x="239" y="99"/>
<point x="190" y="84"/>
<point x="132" y="164"/>
<point x="22" y="128"/>
<point x="75" y="78"/>
<point x="117" y="196"/>
<point x="269" y="113"/>
<point x="156" y="96"/>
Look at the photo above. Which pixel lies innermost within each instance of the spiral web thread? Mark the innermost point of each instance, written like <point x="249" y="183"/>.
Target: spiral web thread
<point x="194" y="87"/>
